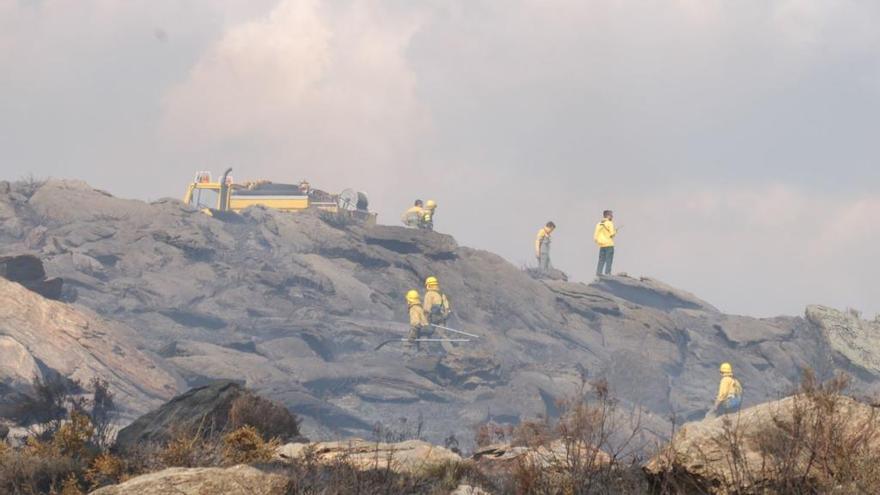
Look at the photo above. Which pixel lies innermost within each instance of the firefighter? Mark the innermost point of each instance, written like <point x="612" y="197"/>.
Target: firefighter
<point x="729" y="398"/>
<point x="418" y="322"/>
<point x="604" y="237"/>
<point x="413" y="216"/>
<point x="436" y="303"/>
<point x="428" y="215"/>
<point x="542" y="246"/>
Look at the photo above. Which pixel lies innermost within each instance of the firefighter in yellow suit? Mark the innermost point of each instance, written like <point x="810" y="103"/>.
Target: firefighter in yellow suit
<point x="604" y="237"/>
<point x="418" y="322"/>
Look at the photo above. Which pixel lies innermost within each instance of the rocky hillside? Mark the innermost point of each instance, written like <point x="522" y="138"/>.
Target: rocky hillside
<point x="294" y="305"/>
<point x="39" y="337"/>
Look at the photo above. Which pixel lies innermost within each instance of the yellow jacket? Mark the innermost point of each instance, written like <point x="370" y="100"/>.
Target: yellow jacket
<point x="427" y="215"/>
<point x="542" y="234"/>
<point x="605" y="232"/>
<point x="436" y="298"/>
<point x="412" y="215"/>
<point x="417" y="316"/>
<point x="728" y="386"/>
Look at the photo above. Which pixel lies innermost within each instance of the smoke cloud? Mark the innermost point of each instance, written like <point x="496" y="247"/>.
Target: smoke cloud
<point x="735" y="141"/>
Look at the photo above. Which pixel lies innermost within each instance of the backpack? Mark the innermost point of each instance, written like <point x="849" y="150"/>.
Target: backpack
<point x="737" y="389"/>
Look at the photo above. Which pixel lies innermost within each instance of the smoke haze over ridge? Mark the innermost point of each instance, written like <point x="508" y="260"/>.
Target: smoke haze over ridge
<point x="736" y="142"/>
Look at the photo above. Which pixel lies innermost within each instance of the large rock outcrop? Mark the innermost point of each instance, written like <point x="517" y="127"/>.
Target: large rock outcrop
<point x="557" y="454"/>
<point x="855" y="341"/>
<point x="28" y="271"/>
<point x="807" y="437"/>
<point x="295" y="305"/>
<point x="204" y="409"/>
<point x="237" y="480"/>
<point x="38" y="336"/>
<point x="401" y="457"/>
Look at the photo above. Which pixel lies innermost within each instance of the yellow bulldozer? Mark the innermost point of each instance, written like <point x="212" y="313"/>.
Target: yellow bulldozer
<point x="224" y="196"/>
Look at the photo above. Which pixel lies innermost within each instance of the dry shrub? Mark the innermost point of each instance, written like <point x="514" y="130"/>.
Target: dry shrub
<point x="813" y="444"/>
<point x="22" y="473"/>
<point x="182" y="449"/>
<point x="492" y="433"/>
<point x="269" y="418"/>
<point x="102" y="412"/>
<point x="533" y="434"/>
<point x="70" y="486"/>
<point x="588" y="449"/>
<point x="49" y="401"/>
<point x="50" y="463"/>
<point x="35" y="447"/>
<point x="73" y="436"/>
<point x="820" y="446"/>
<point x="340" y="477"/>
<point x="446" y="476"/>
<point x="106" y="469"/>
<point x="246" y="446"/>
<point x="399" y="431"/>
<point x="55" y="455"/>
<point x="250" y="432"/>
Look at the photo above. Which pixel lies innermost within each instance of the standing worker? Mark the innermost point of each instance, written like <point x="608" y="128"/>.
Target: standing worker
<point x="413" y="216"/>
<point x="542" y="246"/>
<point x="729" y="397"/>
<point x="604" y="237"/>
<point x="428" y="215"/>
<point x="418" y="322"/>
<point x="436" y="304"/>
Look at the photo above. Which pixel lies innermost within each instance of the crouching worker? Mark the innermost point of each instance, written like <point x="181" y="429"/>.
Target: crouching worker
<point x="729" y="397"/>
<point x="413" y="217"/>
<point x="418" y="322"/>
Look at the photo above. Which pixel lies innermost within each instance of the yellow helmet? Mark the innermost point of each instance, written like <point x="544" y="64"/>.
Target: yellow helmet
<point x="412" y="297"/>
<point x="432" y="283"/>
<point x="430" y="204"/>
<point x="725" y="368"/>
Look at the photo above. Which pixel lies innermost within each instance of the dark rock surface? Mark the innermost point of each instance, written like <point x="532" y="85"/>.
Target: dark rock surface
<point x="204" y="410"/>
<point x="294" y="306"/>
<point x="28" y="271"/>
<point x="205" y="407"/>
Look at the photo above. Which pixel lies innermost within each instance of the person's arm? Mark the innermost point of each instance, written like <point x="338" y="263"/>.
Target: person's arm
<point x="723" y="390"/>
<point x="538" y="243"/>
<point x="596" y="232"/>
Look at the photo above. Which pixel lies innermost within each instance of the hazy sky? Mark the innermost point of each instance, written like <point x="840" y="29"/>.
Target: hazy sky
<point x="736" y="141"/>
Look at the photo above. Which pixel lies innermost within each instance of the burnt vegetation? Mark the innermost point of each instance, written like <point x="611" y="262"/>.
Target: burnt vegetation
<point x="817" y="441"/>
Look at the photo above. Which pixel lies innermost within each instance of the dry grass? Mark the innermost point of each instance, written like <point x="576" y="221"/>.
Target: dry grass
<point x="270" y="419"/>
<point x="813" y="443"/>
<point x="587" y="450"/>
<point x="106" y="469"/>
<point x="70" y="486"/>
<point x="183" y="450"/>
<point x="246" y="446"/>
<point x="815" y="446"/>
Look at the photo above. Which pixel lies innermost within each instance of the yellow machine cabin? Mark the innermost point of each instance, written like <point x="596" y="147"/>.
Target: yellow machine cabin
<point x="225" y="196"/>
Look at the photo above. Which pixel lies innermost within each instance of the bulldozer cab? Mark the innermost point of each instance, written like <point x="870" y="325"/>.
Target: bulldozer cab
<point x="203" y="193"/>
